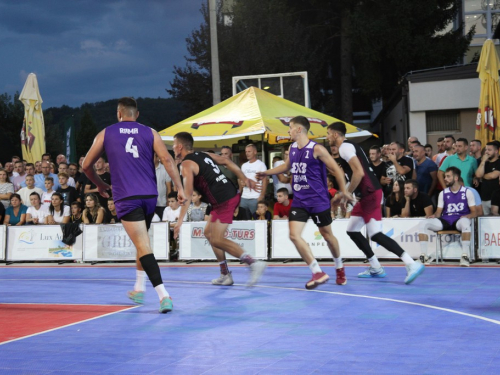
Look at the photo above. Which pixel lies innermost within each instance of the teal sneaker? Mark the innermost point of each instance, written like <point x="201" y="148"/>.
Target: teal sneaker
<point x="166" y="305"/>
<point x="413" y="271"/>
<point x="371" y="272"/>
<point x="137" y="297"/>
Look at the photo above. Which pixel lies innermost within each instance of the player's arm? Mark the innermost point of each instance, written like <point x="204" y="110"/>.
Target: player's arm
<point x="279" y="169"/>
<point x="332" y="166"/>
<point x="93" y="155"/>
<point x="187" y="171"/>
<point x="439" y="209"/>
<point x="169" y="163"/>
<point x="357" y="169"/>
<point x="236" y="170"/>
<point x="405" y="212"/>
<point x="433" y="175"/>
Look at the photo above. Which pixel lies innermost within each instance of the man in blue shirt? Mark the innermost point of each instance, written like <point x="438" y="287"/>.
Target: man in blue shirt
<point x="426" y="171"/>
<point x="40" y="178"/>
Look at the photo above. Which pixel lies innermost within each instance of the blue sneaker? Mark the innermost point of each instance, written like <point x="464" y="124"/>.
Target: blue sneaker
<point x="137" y="297"/>
<point x="372" y="272"/>
<point x="413" y="271"/>
<point x="166" y="305"/>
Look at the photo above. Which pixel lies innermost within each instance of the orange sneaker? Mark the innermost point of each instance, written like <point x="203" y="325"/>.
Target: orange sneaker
<point x="318" y="278"/>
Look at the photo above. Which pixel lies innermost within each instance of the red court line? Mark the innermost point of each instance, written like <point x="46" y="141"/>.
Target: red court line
<point x="26" y="319"/>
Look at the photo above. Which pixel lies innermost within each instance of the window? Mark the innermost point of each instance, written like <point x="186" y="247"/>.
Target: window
<point x="485" y="15"/>
<point x="442" y="121"/>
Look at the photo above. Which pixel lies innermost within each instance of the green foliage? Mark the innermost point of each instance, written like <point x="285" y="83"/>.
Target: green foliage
<point x="86" y="134"/>
<point x="11" y="122"/>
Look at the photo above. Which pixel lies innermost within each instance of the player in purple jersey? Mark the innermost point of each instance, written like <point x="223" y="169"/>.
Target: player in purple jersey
<point x="308" y="162"/>
<point x="367" y="211"/>
<point x="201" y="170"/>
<point x="456" y="207"/>
<point x="130" y="147"/>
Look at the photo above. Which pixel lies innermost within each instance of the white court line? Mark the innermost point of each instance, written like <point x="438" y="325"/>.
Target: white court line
<point x="296" y="289"/>
<point x="67" y="325"/>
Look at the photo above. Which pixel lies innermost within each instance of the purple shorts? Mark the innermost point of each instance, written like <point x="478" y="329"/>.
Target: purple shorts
<point x="127" y="206"/>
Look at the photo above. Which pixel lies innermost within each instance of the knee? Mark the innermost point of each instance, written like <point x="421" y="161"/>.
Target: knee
<point x="294" y="237"/>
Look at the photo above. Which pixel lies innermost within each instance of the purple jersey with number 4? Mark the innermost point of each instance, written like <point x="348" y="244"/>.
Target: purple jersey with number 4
<point x="455" y="204"/>
<point x="310" y="190"/>
<point x="129" y="147"/>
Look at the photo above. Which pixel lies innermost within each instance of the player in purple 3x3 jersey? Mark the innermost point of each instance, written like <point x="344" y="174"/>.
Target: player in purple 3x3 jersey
<point x="308" y="162"/>
<point x="130" y="147"/>
<point x="455" y="210"/>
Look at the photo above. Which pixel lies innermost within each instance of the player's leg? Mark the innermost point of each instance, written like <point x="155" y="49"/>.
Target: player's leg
<point x="324" y="220"/>
<point x="424" y="227"/>
<point x="297" y="222"/>
<point x="464" y="225"/>
<point x="225" y="277"/>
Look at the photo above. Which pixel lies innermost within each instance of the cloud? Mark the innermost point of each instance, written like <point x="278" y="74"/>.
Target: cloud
<point x="94" y="50"/>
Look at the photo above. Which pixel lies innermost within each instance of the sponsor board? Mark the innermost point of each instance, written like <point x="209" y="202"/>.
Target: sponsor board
<point x="250" y="235"/>
<point x="40" y="242"/>
<point x="111" y="242"/>
<point x="489" y="237"/>
<point x="3" y="230"/>
<point x="283" y="248"/>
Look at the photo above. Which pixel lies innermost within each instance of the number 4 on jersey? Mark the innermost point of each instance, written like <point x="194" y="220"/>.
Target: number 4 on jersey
<point x="129" y="147"/>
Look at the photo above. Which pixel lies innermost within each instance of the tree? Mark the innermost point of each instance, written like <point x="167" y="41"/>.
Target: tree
<point x="86" y="134"/>
<point x="11" y="122"/>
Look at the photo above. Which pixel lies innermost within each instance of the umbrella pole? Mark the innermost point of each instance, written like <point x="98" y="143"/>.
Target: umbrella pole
<point x="263" y="151"/>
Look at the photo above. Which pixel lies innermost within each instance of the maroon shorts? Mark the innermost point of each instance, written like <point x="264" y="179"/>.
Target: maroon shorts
<point x="225" y="211"/>
<point x="369" y="207"/>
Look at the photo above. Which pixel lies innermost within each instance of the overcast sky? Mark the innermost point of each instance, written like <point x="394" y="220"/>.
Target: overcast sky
<point x="94" y="50"/>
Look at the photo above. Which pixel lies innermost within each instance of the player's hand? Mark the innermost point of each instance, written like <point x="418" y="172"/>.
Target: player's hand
<point x="431" y="216"/>
<point x="349" y="197"/>
<point x="177" y="229"/>
<point x="253" y="185"/>
<point x="260" y="175"/>
<point x="181" y="198"/>
<point x="103" y="189"/>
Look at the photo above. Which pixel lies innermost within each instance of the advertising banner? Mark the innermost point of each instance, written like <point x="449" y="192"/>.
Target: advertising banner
<point x="283" y="248"/>
<point x="405" y="232"/>
<point x="250" y="235"/>
<point x="489" y="237"/>
<point x="111" y="242"/>
<point x="40" y="242"/>
<point x="2" y="241"/>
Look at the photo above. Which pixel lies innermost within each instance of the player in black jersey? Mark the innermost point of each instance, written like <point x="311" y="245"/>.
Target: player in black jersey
<point x="201" y="171"/>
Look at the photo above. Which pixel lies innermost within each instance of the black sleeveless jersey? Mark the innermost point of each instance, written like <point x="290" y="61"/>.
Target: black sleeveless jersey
<point x="210" y="181"/>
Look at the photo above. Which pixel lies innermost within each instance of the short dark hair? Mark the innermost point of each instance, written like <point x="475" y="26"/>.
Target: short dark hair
<point x="172" y="194"/>
<point x="283" y="190"/>
<point x="229" y="148"/>
<point x="128" y="102"/>
<point x="51" y="179"/>
<point x="302" y="121"/>
<point x="76" y="203"/>
<point x="262" y="202"/>
<point x="35" y="193"/>
<point x="185" y="139"/>
<point x="412" y="182"/>
<point x="449" y="136"/>
<point x="400" y="145"/>
<point x="440" y="139"/>
<point x="464" y="140"/>
<point x="476" y="140"/>
<point x="70" y="164"/>
<point x="30" y="165"/>
<point x="455" y="171"/>
<point x="428" y="145"/>
<point x="495" y="144"/>
<point x="15" y="195"/>
<point x="63" y="162"/>
<point x="19" y="161"/>
<point x="338" y="126"/>
<point x="416" y="143"/>
<point x="375" y="147"/>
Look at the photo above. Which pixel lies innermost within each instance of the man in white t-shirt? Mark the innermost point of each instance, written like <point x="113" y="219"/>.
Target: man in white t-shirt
<point x="25" y="192"/>
<point x="163" y="184"/>
<point x="249" y="198"/>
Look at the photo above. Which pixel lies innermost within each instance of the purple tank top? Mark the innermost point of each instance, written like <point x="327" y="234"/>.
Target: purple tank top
<point x="310" y="190"/>
<point x="129" y="147"/>
<point x="455" y="204"/>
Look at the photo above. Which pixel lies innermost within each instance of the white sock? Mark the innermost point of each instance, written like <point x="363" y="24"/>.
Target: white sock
<point x="466" y="247"/>
<point x="162" y="292"/>
<point x="338" y="262"/>
<point x="424" y="247"/>
<point x="407" y="259"/>
<point x="314" y="267"/>
<point x="140" y="281"/>
<point x="374" y="263"/>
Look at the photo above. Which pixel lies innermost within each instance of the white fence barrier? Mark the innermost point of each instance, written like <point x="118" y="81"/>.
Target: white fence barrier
<point x="250" y="235"/>
<point x="283" y="248"/>
<point x="40" y="242"/>
<point x="111" y="242"/>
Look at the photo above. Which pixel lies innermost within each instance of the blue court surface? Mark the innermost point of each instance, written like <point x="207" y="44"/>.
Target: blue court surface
<point x="446" y="322"/>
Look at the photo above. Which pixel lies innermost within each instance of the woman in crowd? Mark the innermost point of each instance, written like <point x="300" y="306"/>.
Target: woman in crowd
<point x="37" y="213"/>
<point x="396" y="200"/>
<point x="6" y="188"/>
<point x="15" y="214"/>
<point x="93" y="213"/>
<point x="58" y="211"/>
<point x="197" y="210"/>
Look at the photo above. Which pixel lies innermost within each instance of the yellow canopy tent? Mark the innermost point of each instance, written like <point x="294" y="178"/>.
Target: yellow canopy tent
<point x="257" y="114"/>
<point x="489" y="101"/>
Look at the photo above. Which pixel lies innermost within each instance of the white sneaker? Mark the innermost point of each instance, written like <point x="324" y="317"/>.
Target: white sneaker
<point x="256" y="270"/>
<point x="225" y="280"/>
<point x="464" y="261"/>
